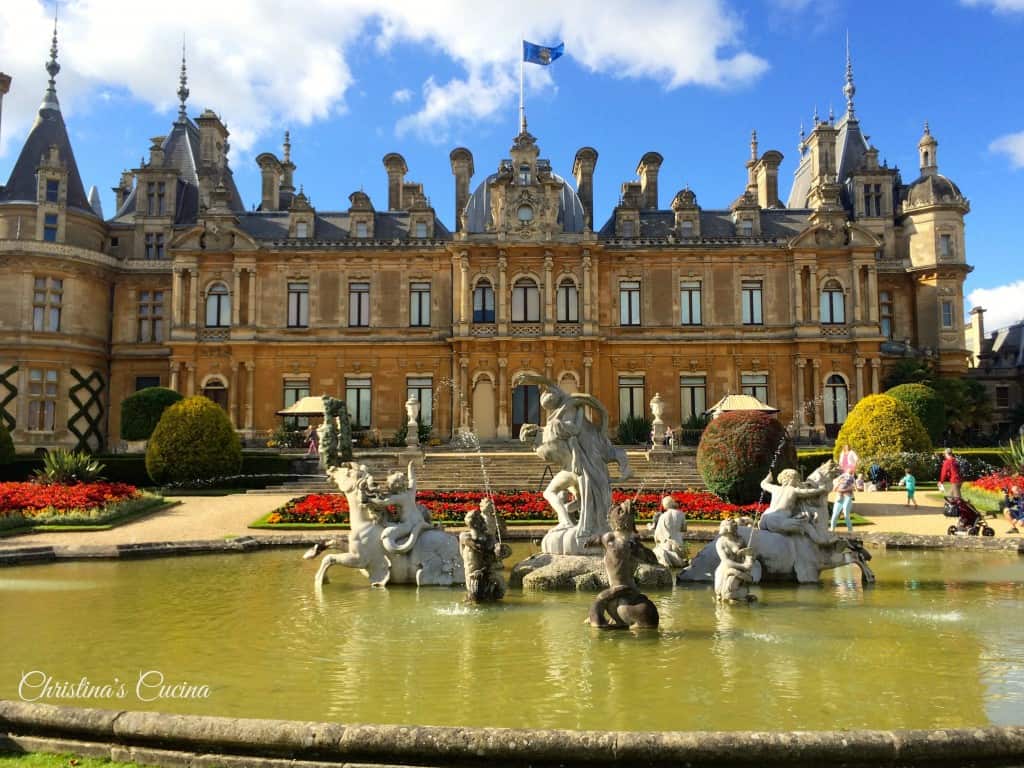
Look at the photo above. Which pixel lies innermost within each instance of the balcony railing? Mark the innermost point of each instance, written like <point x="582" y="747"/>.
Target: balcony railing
<point x="214" y="334"/>
<point x="526" y="329"/>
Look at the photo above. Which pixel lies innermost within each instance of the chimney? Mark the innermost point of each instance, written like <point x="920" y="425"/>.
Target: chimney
<point x="462" y="169"/>
<point x="270" y="177"/>
<point x="583" y="169"/>
<point x="213" y="141"/>
<point x="156" y="151"/>
<point x="123" y="189"/>
<point x="767" y="179"/>
<point x="976" y="334"/>
<point x="287" y="174"/>
<point x="395" y="165"/>
<point x="5" y="87"/>
<point x="648" y="169"/>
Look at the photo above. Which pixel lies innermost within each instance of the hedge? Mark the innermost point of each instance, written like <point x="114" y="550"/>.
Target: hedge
<point x="141" y="411"/>
<point x="6" y="445"/>
<point x="194" y="441"/>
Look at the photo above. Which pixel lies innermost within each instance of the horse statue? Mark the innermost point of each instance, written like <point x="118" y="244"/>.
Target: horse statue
<point x="411" y="551"/>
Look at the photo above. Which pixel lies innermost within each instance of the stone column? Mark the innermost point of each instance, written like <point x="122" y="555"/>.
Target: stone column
<point x="815" y="301"/>
<point x="175" y="366"/>
<point x="875" y="365"/>
<point x="465" y="309"/>
<point x="857" y="313"/>
<point x="800" y="411"/>
<point x="503" y="428"/>
<point x="236" y="298"/>
<point x="464" y="423"/>
<point x="190" y="375"/>
<point x="588" y="364"/>
<point x="233" y="394"/>
<point x="549" y="295"/>
<point x="819" y="406"/>
<point x="250" y="315"/>
<point x="250" y="389"/>
<point x="595" y="298"/>
<point x="798" y="300"/>
<point x="502" y="303"/>
<point x="177" y="296"/>
<point x="858" y="365"/>
<point x="193" y="284"/>
<point x="588" y="310"/>
<point x="872" y="297"/>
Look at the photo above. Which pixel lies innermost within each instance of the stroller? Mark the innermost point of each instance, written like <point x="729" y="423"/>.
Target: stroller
<point x="970" y="521"/>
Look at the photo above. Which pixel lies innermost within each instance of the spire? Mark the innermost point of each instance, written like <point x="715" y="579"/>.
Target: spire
<point x="52" y="68"/>
<point x="182" y="86"/>
<point x="849" y="89"/>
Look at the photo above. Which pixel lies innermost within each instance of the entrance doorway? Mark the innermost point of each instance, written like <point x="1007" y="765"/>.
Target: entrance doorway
<point x="525" y="406"/>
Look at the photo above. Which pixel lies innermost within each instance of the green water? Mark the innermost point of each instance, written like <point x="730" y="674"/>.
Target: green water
<point x="939" y="641"/>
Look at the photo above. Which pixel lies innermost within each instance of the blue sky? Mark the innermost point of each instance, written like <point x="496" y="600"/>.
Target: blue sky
<point x="356" y="79"/>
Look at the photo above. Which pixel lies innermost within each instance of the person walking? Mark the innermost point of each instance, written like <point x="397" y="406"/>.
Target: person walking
<point x="312" y="443"/>
<point x="843" y="486"/>
<point x="909" y="482"/>
<point x="950" y="473"/>
<point x="848" y="459"/>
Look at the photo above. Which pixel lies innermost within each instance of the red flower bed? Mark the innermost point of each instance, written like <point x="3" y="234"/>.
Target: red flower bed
<point x="30" y="498"/>
<point x="997" y="481"/>
<point x="451" y="506"/>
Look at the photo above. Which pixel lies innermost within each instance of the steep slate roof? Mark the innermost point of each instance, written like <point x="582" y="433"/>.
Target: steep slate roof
<point x="334" y="226"/>
<point x="776" y="224"/>
<point x="1006" y="342"/>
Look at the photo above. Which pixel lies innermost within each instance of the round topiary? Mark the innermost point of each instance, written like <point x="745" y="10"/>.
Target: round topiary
<point x="883" y="429"/>
<point x="927" y="404"/>
<point x="193" y="441"/>
<point x="738" y="449"/>
<point x="141" y="412"/>
<point x="6" y="445"/>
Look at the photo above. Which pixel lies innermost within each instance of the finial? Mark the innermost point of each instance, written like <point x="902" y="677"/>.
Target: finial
<point x="803" y="139"/>
<point x="815" y="118"/>
<point x="182" y="85"/>
<point x="927" y="130"/>
<point x="287" y="147"/>
<point x="753" y="144"/>
<point x="831" y="115"/>
<point x="849" y="89"/>
<point x="52" y="67"/>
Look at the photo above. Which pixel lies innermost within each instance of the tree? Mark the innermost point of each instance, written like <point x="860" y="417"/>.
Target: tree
<point x="909" y="370"/>
<point x="926" y="404"/>
<point x="736" y="451"/>
<point x="967" y="405"/>
<point x="193" y="441"/>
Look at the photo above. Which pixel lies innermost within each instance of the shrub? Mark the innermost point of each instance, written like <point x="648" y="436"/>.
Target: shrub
<point x="926" y="404"/>
<point x="141" y="412"/>
<point x="6" y="445"/>
<point x="194" y="441"/>
<point x="883" y="429"/>
<point x="1013" y="455"/>
<point x="737" y="450"/>
<point x="64" y="467"/>
<point x="636" y="430"/>
<point x="422" y="431"/>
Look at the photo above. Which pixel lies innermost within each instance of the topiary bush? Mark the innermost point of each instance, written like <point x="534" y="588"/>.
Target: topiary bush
<point x="6" y="445"/>
<point x="194" y="441"/>
<point x="926" y="404"/>
<point x="883" y="429"/>
<point x="737" y="450"/>
<point x="141" y="412"/>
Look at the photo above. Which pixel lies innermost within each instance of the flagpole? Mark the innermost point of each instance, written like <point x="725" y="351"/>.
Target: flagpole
<point x="522" y="107"/>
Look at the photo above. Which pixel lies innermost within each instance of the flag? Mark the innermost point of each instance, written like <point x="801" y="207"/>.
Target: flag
<point x="541" y="54"/>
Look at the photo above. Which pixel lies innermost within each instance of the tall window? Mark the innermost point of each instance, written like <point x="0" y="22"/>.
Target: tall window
<point x="421" y="229"/>
<point x="885" y="313"/>
<point x="419" y="304"/>
<point x="357" y="398"/>
<point x="302" y="229"/>
<point x="42" y="399"/>
<point x="525" y="301"/>
<point x="160" y="190"/>
<point x="298" y="305"/>
<point x="52" y="190"/>
<point x="218" y="306"/>
<point x="872" y="199"/>
<point x="361" y="229"/>
<point x="154" y="245"/>
<point x="568" y="302"/>
<point x="751" y="291"/>
<point x="693" y="395"/>
<point x="947" y="314"/>
<point x="151" y="316"/>
<point x="833" y="303"/>
<point x="1002" y="396"/>
<point x="631" y="397"/>
<point x="837" y="401"/>
<point x="50" y="227"/>
<point x="747" y="228"/>
<point x="295" y="390"/>
<point x="755" y="385"/>
<point x="629" y="302"/>
<point x="151" y="198"/>
<point x="422" y="388"/>
<point x="627" y="228"/>
<point x="483" y="302"/>
<point x="216" y="390"/>
<point x="47" y="301"/>
<point x="686" y="229"/>
<point x="945" y="246"/>
<point x="689" y="303"/>
<point x="359" y="305"/>
<point x="524" y="174"/>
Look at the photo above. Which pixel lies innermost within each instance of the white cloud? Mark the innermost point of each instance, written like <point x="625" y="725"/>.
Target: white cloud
<point x="262" y="68"/>
<point x="1002" y="6"/>
<point x="1011" y="145"/>
<point x="402" y="96"/>
<point x="1002" y="304"/>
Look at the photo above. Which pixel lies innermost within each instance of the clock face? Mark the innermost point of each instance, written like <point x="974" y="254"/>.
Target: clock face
<point x="525" y="213"/>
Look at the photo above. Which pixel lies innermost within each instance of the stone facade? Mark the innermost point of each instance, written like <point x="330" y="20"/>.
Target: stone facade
<point x="803" y="305"/>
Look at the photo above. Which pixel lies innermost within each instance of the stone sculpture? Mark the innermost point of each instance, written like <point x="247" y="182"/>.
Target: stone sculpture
<point x="622" y="605"/>
<point x="669" y="527"/>
<point x="793" y="543"/>
<point x="496" y="528"/>
<point x="733" y="575"/>
<point x="581" y="450"/>
<point x="411" y="551"/>
<point x="479" y="548"/>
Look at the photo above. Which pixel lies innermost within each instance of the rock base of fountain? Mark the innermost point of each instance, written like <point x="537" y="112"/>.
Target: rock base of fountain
<point x="580" y="573"/>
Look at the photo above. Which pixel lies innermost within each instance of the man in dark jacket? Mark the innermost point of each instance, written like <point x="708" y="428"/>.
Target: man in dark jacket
<point x="950" y="473"/>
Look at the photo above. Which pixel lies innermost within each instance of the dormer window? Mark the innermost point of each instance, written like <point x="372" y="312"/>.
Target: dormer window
<point x="686" y="229"/>
<point x="302" y="229"/>
<point x="361" y="229"/>
<point x="747" y="228"/>
<point x="52" y="190"/>
<point x="421" y="229"/>
<point x="627" y="228"/>
<point x="524" y="174"/>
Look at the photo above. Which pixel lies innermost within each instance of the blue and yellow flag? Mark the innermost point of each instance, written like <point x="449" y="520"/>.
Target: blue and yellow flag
<point x="541" y="54"/>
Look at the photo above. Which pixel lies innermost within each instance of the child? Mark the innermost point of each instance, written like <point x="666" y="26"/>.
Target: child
<point x="910" y="482"/>
<point x="860" y="482"/>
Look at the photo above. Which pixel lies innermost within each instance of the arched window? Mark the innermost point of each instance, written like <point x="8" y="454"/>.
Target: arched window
<point x="837" y="404"/>
<point x="833" y="303"/>
<point x="483" y="302"/>
<point x="525" y="301"/>
<point x="216" y="391"/>
<point x="218" y="306"/>
<point x="568" y="302"/>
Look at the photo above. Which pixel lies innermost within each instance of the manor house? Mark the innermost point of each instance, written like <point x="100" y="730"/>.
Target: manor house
<point x="803" y="303"/>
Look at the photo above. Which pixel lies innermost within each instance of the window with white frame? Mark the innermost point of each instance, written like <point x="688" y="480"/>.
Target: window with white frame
<point x="885" y="316"/>
<point x="837" y="400"/>
<point x="693" y="396"/>
<point x="357" y="398"/>
<point x="755" y="385"/>
<point x="42" y="399"/>
<point x="422" y="388"/>
<point x="419" y="304"/>
<point x="483" y="302"/>
<point x="151" y="316"/>
<point x="524" y="174"/>
<point x="359" y="305"/>
<point x="689" y="303"/>
<point x="298" y="304"/>
<point x="629" y="302"/>
<point x="47" y="302"/>
<point x="218" y="306"/>
<point x="751" y="297"/>
<point x="294" y="390"/>
<point x="568" y="302"/>
<point x="947" y="314"/>
<point x="525" y="301"/>
<point x="631" y="397"/>
<point x="833" y="303"/>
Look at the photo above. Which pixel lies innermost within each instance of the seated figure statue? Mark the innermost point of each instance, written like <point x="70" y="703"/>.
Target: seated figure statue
<point x="480" y="558"/>
<point x="413" y="518"/>
<point x="669" y="528"/>
<point x="793" y="507"/>
<point x="622" y="605"/>
<point x="734" y="573"/>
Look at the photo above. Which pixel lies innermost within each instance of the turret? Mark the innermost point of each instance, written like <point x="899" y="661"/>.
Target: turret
<point x="927" y="150"/>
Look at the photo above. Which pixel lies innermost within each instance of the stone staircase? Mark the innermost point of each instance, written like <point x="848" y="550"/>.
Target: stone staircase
<point x="506" y="470"/>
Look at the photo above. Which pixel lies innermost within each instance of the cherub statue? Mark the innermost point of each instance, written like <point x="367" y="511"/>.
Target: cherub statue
<point x="622" y="605"/>
<point x="733" y="575"/>
<point x="413" y="518"/>
<point x="793" y="505"/>
<point x="495" y="527"/>
<point x="480" y="558"/>
<point x="669" y="528"/>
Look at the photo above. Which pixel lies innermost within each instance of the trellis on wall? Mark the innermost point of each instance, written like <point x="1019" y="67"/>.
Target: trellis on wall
<point x="8" y="392"/>
<point x="85" y="422"/>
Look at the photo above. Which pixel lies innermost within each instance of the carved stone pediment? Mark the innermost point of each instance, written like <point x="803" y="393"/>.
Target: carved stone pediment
<point x="214" y="236"/>
<point x="834" y="235"/>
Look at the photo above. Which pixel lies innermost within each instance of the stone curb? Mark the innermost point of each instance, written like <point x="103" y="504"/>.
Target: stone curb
<point x="190" y="740"/>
